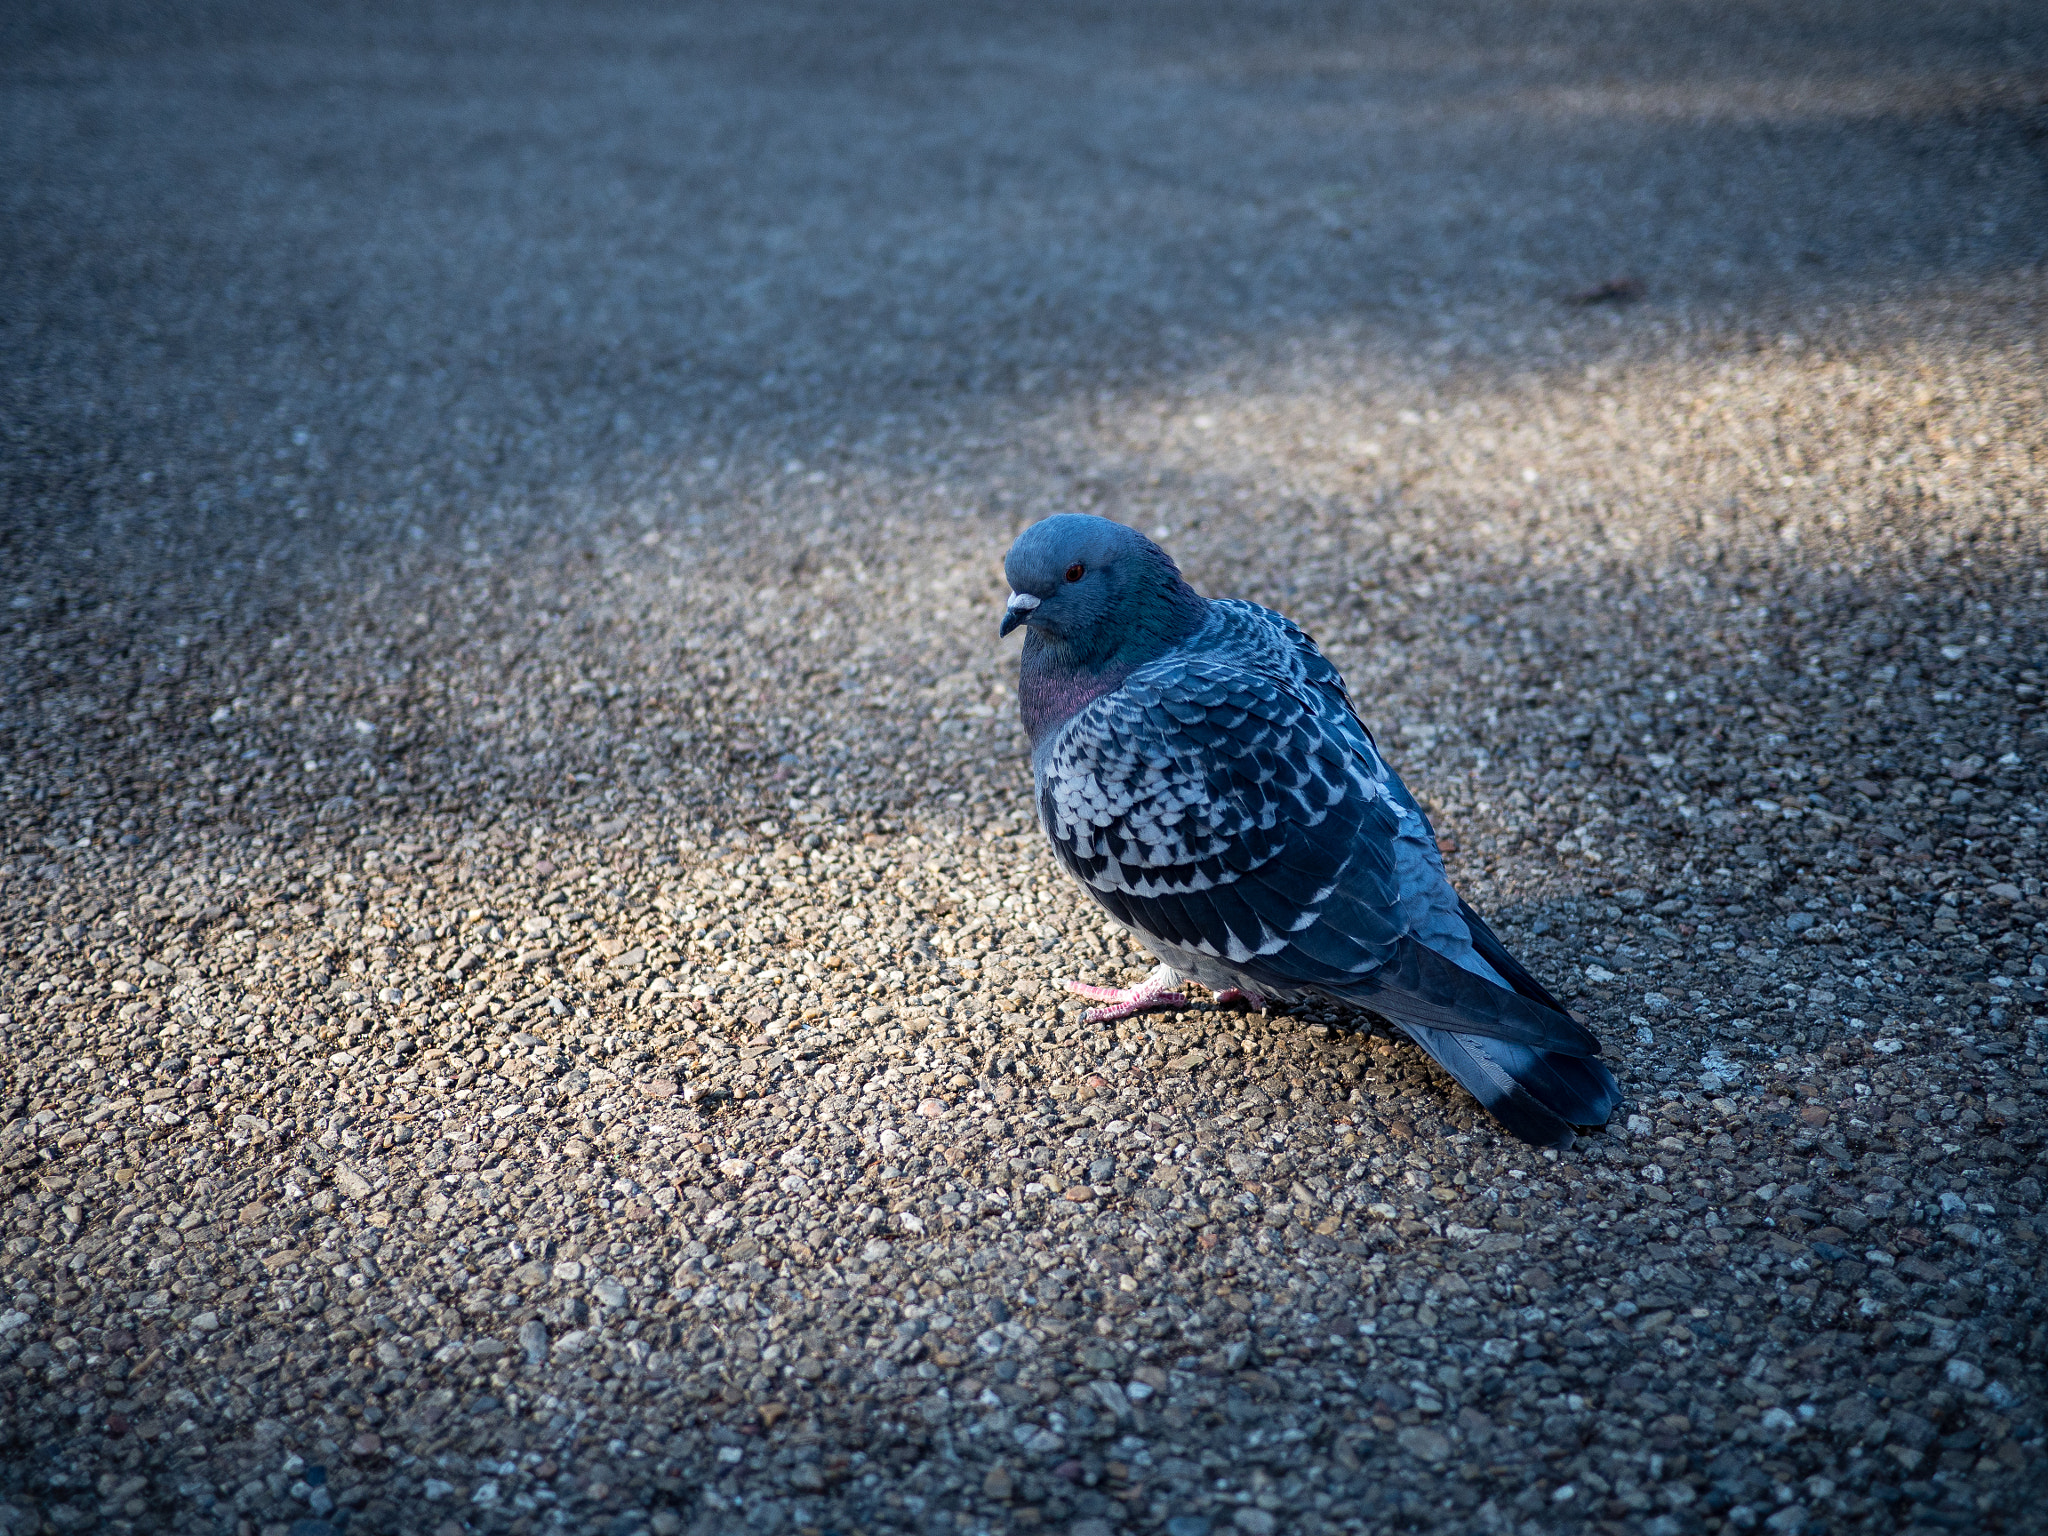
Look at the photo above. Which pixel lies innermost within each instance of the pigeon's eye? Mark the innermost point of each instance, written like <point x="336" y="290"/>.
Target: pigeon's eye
<point x="1076" y="571"/>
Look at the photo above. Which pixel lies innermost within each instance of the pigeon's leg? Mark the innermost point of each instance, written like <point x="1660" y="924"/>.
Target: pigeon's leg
<point x="1157" y="990"/>
<point x="1250" y="999"/>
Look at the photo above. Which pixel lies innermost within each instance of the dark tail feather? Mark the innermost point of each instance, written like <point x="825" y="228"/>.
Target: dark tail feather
<point x="1591" y="1088"/>
<point x="1538" y="1095"/>
<point x="1419" y="986"/>
<point x="1517" y="1052"/>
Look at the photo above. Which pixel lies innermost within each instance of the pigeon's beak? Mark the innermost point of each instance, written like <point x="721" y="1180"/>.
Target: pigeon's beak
<point x="1017" y="611"/>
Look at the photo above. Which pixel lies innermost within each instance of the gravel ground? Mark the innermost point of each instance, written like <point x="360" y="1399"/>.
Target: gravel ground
<point x="531" y="987"/>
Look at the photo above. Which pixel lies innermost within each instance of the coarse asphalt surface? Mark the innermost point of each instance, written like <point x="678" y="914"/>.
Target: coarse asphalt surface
<point x="532" y="998"/>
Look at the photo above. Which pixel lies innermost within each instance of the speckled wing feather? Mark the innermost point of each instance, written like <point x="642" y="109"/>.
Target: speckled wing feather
<point x="1227" y="801"/>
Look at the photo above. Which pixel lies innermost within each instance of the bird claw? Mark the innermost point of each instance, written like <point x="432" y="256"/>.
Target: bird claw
<point x="1155" y="991"/>
<point x="1160" y="989"/>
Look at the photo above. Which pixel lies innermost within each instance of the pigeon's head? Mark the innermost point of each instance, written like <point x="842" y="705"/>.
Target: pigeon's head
<point x="1095" y="589"/>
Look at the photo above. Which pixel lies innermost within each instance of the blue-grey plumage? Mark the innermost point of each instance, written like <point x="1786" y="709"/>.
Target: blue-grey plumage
<point x="1201" y="771"/>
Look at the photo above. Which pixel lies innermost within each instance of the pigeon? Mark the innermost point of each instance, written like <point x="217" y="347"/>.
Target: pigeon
<point x="1200" y="768"/>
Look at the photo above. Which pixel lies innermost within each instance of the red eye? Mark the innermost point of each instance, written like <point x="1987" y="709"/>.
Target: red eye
<point x="1076" y="571"/>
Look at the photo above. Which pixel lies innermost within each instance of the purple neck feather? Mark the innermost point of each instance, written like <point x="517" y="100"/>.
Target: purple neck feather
<point x="1048" y="697"/>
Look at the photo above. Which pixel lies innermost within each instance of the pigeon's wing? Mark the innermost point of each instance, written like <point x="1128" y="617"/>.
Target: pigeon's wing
<point x="1442" y="980"/>
<point x="1226" y="801"/>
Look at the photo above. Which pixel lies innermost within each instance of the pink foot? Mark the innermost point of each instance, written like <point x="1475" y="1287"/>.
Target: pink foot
<point x="1155" y="991"/>
<point x="1251" y="1000"/>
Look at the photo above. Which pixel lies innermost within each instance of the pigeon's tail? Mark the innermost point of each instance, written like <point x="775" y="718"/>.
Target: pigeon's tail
<point x="1530" y="1063"/>
<point x="1538" y="1095"/>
